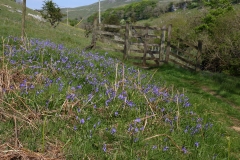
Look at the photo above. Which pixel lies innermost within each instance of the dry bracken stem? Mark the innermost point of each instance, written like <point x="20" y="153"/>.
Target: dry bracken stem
<point x="145" y="123"/>
<point x="139" y="80"/>
<point x="16" y="132"/>
<point x="149" y="104"/>
<point x="152" y="76"/>
<point x="107" y="89"/>
<point x="20" y="98"/>
<point x="178" y="112"/>
<point x="158" y="135"/>
<point x="115" y="86"/>
<point x="123" y="77"/>
<point x="3" y="40"/>
<point x="172" y="90"/>
<point x="16" y="111"/>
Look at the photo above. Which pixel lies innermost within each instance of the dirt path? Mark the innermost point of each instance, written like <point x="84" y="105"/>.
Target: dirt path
<point x="236" y="122"/>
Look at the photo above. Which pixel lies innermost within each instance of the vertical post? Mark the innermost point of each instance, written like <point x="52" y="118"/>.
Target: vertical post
<point x="162" y="47"/>
<point x="99" y="12"/>
<point x="23" y="18"/>
<point x="94" y="33"/>
<point x="199" y="55"/>
<point x="126" y="44"/>
<point x="145" y="48"/>
<point x="168" y="43"/>
<point x="67" y="16"/>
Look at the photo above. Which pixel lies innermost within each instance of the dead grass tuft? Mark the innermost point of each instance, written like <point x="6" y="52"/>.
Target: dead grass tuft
<point x="8" y="152"/>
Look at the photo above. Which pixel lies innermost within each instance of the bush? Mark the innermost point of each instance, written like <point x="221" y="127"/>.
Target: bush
<point x="113" y="20"/>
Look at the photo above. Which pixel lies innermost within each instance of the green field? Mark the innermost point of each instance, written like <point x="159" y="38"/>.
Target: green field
<point x="60" y="102"/>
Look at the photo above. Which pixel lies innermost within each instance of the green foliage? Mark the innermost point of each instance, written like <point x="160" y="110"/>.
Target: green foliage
<point x="52" y="13"/>
<point x="221" y="25"/>
<point x="217" y="9"/>
<point x="112" y="19"/>
<point x="132" y="12"/>
<point x="193" y="5"/>
<point x="226" y="40"/>
<point x="73" y="22"/>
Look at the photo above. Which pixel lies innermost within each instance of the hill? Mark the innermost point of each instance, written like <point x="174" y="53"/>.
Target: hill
<point x="86" y="11"/>
<point x="11" y="26"/>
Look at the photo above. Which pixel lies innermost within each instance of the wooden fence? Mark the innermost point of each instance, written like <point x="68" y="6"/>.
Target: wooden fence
<point x="150" y="45"/>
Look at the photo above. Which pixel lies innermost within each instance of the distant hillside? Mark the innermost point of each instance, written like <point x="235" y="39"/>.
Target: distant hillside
<point x="86" y="11"/>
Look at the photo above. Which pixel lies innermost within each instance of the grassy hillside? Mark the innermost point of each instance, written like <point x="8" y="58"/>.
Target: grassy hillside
<point x="59" y="102"/>
<point x="86" y="11"/>
<point x="11" y="25"/>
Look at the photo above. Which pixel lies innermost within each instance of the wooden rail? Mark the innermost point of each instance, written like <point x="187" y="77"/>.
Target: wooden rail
<point x="127" y="35"/>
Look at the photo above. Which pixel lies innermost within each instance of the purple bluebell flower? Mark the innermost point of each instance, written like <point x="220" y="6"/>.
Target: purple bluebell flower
<point x="71" y="96"/>
<point x="113" y="130"/>
<point x="136" y="130"/>
<point x="197" y="144"/>
<point x="82" y="121"/>
<point x="165" y="148"/>
<point x="136" y="139"/>
<point x="32" y="86"/>
<point x="187" y="104"/>
<point x="137" y="120"/>
<point x="23" y="84"/>
<point x="142" y="128"/>
<point x="104" y="147"/>
<point x="79" y="87"/>
<point x="163" y="109"/>
<point x="184" y="149"/>
<point x="130" y="128"/>
<point x="152" y="99"/>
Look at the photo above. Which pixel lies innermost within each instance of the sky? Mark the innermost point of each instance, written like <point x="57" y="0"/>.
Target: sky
<point x="37" y="4"/>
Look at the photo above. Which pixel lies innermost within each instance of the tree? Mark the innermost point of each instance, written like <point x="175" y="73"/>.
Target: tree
<point x="218" y="8"/>
<point x="23" y="18"/>
<point x="52" y="13"/>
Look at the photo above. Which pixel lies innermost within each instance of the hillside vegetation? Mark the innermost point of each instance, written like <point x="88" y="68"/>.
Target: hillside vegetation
<point x="192" y="21"/>
<point x="61" y="102"/>
<point x="86" y="11"/>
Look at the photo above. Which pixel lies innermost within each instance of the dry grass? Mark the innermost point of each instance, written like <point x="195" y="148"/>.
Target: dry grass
<point x="53" y="152"/>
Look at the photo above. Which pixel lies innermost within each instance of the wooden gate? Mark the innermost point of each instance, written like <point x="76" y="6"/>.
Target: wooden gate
<point x="147" y="46"/>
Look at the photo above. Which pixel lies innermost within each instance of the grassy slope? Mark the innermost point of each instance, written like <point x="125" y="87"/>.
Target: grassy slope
<point x="11" y="25"/>
<point x="86" y="11"/>
<point x="201" y="88"/>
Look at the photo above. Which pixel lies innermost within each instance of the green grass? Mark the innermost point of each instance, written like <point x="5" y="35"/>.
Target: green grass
<point x="89" y="105"/>
<point x="11" y="25"/>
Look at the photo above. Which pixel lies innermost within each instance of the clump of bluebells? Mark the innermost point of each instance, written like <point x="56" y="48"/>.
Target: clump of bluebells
<point x="110" y="114"/>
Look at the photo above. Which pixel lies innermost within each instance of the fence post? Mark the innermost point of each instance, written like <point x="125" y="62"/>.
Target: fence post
<point x="162" y="45"/>
<point x="199" y="55"/>
<point x="126" y="44"/>
<point x="168" y="43"/>
<point x="145" y="47"/>
<point x="94" y="33"/>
